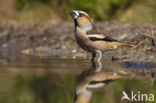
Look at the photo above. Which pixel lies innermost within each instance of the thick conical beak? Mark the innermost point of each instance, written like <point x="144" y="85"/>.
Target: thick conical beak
<point x="74" y="14"/>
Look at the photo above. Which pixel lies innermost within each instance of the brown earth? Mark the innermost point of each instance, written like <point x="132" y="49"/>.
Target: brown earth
<point x="56" y="40"/>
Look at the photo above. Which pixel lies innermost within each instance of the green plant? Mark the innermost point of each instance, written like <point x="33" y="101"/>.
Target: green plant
<point x="20" y="4"/>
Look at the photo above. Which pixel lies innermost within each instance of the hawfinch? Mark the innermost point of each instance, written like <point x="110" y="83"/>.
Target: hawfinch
<point x="90" y="80"/>
<point x="90" y="40"/>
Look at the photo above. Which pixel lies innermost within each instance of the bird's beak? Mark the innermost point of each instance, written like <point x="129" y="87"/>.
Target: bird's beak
<point x="74" y="14"/>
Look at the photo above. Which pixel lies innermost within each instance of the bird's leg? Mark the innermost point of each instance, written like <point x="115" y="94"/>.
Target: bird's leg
<point x="99" y="67"/>
<point x="99" y="54"/>
<point x="96" y="67"/>
<point x="93" y="64"/>
<point x="93" y="56"/>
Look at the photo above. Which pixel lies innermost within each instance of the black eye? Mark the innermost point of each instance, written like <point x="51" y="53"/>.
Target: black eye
<point x="81" y="15"/>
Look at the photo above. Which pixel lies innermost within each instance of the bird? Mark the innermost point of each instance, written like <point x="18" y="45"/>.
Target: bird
<point x="91" y="80"/>
<point x="91" y="40"/>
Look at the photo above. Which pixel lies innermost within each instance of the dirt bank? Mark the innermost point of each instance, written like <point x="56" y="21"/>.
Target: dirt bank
<point x="56" y="39"/>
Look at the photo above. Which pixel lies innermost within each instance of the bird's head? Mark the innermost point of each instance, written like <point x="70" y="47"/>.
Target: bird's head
<point x="82" y="20"/>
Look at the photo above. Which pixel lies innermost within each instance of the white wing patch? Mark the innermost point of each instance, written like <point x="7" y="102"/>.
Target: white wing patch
<point x="115" y="47"/>
<point x="98" y="85"/>
<point x="96" y="36"/>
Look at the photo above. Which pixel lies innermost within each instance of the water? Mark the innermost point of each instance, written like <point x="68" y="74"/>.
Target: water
<point x="66" y="81"/>
<point x="136" y="65"/>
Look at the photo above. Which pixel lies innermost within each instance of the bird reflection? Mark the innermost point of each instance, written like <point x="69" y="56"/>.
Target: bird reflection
<point x="94" y="78"/>
<point x="100" y="75"/>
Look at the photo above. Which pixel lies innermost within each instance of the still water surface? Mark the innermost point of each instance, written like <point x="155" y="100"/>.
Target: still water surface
<point x="66" y="81"/>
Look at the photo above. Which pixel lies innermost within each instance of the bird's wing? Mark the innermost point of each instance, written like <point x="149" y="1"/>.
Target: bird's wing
<point x="94" y="36"/>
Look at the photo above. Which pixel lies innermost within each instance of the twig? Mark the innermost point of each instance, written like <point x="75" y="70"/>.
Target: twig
<point x="153" y="39"/>
<point x="135" y="47"/>
<point x="154" y="75"/>
<point x="153" y="36"/>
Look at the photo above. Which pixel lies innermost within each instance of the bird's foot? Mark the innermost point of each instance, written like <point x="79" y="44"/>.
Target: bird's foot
<point x="99" y="55"/>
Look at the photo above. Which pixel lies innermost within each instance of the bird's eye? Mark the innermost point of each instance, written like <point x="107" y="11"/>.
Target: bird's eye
<point x="81" y="15"/>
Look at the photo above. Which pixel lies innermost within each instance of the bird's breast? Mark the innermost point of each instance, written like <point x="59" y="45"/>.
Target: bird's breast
<point x="84" y="43"/>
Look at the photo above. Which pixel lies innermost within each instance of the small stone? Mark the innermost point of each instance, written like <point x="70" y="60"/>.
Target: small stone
<point x="4" y="45"/>
<point x="74" y="51"/>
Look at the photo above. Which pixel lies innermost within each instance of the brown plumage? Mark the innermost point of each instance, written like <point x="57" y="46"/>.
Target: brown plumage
<point x="94" y="78"/>
<point x="91" y="40"/>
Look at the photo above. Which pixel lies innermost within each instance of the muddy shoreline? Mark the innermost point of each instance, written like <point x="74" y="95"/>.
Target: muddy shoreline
<point x="56" y="40"/>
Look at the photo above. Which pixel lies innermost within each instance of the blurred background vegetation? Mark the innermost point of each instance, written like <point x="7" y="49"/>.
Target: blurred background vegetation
<point x="44" y="10"/>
